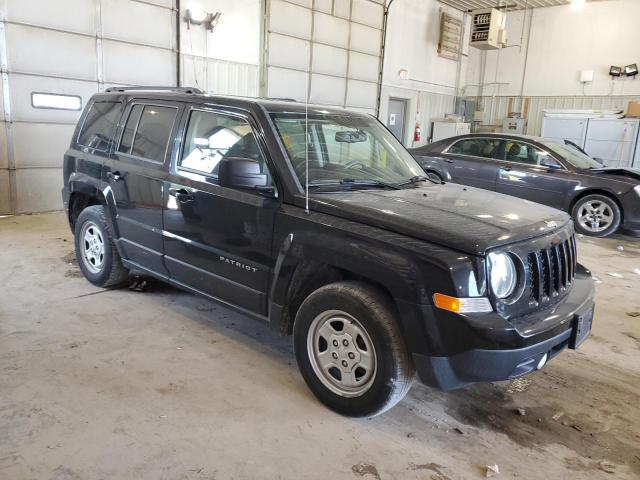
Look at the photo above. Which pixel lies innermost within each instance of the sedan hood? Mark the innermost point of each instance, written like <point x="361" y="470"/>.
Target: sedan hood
<point x="465" y="218"/>
<point x="627" y="173"/>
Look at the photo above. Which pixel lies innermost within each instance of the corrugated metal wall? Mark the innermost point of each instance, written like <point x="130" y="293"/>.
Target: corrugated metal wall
<point x="337" y="41"/>
<point x="496" y="108"/>
<point x="71" y="47"/>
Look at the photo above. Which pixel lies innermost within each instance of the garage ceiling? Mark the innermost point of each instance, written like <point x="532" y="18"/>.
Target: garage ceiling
<point x="466" y="5"/>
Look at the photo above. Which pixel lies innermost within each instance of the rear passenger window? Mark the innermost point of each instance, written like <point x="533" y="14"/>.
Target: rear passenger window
<point x="477" y="147"/>
<point x="147" y="131"/>
<point x="99" y="125"/>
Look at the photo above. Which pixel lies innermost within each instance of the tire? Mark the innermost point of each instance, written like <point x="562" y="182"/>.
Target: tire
<point x="99" y="261"/>
<point x="380" y="372"/>
<point x="596" y="215"/>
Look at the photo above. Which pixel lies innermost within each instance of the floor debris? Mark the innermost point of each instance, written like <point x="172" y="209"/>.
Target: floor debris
<point x="558" y="416"/>
<point x="363" y="469"/>
<point x="615" y="275"/>
<point x="606" y="466"/>
<point x="633" y="314"/>
<point x="491" y="470"/>
<point x="521" y="411"/>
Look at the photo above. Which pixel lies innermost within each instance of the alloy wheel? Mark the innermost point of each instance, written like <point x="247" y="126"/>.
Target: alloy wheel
<point x="595" y="216"/>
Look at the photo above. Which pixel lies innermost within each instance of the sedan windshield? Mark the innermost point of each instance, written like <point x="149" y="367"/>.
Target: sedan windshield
<point x="344" y="150"/>
<point x="572" y="155"/>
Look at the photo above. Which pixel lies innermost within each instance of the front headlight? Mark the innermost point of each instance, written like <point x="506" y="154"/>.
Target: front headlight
<point x="637" y="189"/>
<point x="503" y="274"/>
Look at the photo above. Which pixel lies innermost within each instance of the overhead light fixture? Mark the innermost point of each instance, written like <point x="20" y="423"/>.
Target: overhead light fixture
<point x="196" y="16"/>
<point x="403" y="74"/>
<point x="631" y="70"/>
<point x="577" y="4"/>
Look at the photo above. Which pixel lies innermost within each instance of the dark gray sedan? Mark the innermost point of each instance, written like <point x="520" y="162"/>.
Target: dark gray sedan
<point x="600" y="199"/>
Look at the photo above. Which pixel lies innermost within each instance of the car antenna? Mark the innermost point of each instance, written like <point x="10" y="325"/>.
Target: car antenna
<point x="306" y="146"/>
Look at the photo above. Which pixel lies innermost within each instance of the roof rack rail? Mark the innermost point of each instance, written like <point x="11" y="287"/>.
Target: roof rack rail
<point x="192" y="90"/>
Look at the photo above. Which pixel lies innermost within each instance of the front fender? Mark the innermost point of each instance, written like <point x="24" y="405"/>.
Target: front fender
<point x="435" y="164"/>
<point x="409" y="270"/>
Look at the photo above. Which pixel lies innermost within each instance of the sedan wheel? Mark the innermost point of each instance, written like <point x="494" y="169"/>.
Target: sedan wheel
<point x="596" y="215"/>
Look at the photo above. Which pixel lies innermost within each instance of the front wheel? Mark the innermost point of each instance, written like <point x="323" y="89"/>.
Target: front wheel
<point x="596" y="215"/>
<point x="350" y="350"/>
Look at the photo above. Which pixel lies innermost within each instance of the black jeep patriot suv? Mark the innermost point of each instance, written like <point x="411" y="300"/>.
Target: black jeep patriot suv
<point x="381" y="272"/>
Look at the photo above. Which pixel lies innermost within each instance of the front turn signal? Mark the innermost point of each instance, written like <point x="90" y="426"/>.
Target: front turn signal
<point x="462" y="305"/>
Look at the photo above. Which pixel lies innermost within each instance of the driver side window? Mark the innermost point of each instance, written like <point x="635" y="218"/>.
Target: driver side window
<point x="213" y="136"/>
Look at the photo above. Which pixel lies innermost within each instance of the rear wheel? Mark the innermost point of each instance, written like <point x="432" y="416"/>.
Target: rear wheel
<point x="96" y="252"/>
<point x="350" y="350"/>
<point x="596" y="215"/>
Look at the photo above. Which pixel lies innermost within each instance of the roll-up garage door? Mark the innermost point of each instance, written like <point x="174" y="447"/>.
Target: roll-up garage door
<point x="330" y="48"/>
<point x="55" y="55"/>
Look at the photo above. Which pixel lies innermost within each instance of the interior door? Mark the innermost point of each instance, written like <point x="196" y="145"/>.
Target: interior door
<point x="528" y="172"/>
<point x="135" y="174"/>
<point x="397" y="114"/>
<point x="471" y="161"/>
<point x="217" y="240"/>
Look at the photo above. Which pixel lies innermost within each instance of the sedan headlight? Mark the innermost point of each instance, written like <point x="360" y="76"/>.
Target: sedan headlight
<point x="503" y="274"/>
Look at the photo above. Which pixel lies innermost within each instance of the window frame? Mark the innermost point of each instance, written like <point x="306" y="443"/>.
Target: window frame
<point x="504" y="139"/>
<point x="498" y="139"/>
<point x="84" y="120"/>
<point x="210" y="179"/>
<point x="125" y="119"/>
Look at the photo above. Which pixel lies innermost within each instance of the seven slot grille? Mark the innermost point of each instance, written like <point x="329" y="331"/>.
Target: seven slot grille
<point x="551" y="270"/>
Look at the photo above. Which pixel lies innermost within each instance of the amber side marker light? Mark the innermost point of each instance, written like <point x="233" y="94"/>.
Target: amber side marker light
<point x="462" y="305"/>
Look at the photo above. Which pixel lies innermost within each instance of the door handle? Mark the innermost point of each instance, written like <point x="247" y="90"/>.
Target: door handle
<point x="115" y="176"/>
<point x="181" y="194"/>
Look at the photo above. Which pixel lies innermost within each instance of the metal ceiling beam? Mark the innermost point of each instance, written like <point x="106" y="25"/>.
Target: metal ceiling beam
<point x="466" y="5"/>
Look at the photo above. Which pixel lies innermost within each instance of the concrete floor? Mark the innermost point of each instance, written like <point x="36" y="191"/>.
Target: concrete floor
<point x="98" y="384"/>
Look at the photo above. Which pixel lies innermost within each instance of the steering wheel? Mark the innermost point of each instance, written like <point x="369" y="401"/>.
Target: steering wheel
<point x="355" y="164"/>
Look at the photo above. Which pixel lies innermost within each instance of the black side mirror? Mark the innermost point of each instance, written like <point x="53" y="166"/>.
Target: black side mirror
<point x="235" y="172"/>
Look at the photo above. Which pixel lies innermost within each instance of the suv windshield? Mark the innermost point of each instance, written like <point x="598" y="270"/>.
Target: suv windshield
<point x="572" y="155"/>
<point x="345" y="149"/>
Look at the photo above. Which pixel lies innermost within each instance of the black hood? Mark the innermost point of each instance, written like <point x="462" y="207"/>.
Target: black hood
<point x="628" y="174"/>
<point x="466" y="218"/>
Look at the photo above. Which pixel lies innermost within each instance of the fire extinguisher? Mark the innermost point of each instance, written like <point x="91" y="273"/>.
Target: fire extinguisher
<point x="417" y="132"/>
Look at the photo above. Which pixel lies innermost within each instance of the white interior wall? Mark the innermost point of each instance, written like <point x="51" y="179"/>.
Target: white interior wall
<point x="413" y="30"/>
<point x="562" y="43"/>
<point x="72" y="47"/>
<point x="226" y="60"/>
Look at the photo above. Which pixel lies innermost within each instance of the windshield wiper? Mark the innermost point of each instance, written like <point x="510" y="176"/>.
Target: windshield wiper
<point x="368" y="183"/>
<point x="351" y="183"/>
<point x="419" y="178"/>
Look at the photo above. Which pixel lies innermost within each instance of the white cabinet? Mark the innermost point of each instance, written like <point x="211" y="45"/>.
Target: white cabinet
<point x="573" y="129"/>
<point x="443" y="130"/>
<point x="613" y="141"/>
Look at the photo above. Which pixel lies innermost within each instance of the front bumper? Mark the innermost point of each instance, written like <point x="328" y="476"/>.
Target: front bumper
<point x="511" y="353"/>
